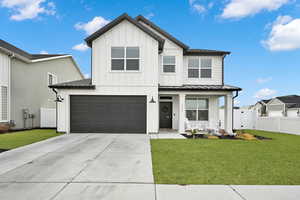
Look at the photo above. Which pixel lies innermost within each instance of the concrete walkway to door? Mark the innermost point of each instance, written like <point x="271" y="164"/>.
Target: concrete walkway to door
<point x="106" y="167"/>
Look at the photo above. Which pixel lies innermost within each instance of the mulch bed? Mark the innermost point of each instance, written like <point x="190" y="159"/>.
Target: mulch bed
<point x="228" y="137"/>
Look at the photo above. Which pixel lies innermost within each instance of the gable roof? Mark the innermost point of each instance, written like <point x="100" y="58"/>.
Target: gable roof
<point x="15" y="50"/>
<point x="118" y="20"/>
<point x="291" y="101"/>
<point x="161" y="31"/>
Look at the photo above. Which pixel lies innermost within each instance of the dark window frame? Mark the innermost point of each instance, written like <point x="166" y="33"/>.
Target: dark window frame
<point x="125" y="59"/>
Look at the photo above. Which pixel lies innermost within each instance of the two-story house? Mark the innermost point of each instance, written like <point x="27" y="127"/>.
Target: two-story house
<point x="143" y="80"/>
<point x="24" y="81"/>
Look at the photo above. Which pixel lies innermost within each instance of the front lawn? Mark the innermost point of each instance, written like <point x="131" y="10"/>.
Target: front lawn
<point x="20" y="138"/>
<point x="203" y="161"/>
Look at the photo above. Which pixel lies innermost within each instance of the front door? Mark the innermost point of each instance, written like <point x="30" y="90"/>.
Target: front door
<point x="165" y="115"/>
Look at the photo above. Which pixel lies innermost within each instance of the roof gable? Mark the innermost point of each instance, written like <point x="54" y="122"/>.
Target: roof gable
<point x="15" y="50"/>
<point x="161" y="31"/>
<point x="118" y="20"/>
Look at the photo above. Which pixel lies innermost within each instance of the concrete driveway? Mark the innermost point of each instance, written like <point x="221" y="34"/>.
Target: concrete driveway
<point x="79" y="166"/>
<point x="106" y="167"/>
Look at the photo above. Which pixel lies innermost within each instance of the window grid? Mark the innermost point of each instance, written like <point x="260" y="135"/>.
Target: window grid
<point x="4" y="103"/>
<point x="197" y="109"/>
<point x="125" y="60"/>
<point x="200" y="68"/>
<point x="169" y="64"/>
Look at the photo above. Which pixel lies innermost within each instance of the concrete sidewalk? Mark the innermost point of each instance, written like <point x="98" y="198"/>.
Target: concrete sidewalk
<point x="106" y="167"/>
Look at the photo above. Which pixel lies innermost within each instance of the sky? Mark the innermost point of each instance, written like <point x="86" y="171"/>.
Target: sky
<point x="263" y="36"/>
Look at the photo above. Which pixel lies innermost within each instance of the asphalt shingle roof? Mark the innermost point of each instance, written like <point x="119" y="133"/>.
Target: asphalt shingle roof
<point x="16" y="50"/>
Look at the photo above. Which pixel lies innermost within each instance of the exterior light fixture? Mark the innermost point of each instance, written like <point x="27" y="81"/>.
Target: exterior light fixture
<point x="152" y="100"/>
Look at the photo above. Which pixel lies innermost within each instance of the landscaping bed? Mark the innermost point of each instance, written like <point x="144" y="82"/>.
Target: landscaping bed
<point x="238" y="136"/>
<point x="228" y="161"/>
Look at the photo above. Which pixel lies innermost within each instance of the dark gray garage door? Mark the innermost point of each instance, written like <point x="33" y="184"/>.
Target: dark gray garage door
<point x="108" y="114"/>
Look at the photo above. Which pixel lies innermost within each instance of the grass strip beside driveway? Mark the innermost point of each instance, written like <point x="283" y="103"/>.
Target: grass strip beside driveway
<point x="21" y="138"/>
<point x="238" y="162"/>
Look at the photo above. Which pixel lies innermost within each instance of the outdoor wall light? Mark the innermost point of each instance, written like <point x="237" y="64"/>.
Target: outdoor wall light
<point x="152" y="100"/>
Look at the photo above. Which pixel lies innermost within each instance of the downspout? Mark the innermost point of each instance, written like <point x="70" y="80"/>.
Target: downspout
<point x="235" y="96"/>
<point x="56" y="110"/>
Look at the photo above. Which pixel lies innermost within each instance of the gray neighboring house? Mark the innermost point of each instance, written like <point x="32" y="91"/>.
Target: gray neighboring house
<point x="24" y="83"/>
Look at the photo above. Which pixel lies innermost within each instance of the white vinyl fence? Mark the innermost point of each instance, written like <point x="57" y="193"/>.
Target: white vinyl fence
<point x="48" y="118"/>
<point x="243" y="118"/>
<point x="248" y="119"/>
<point x="278" y="124"/>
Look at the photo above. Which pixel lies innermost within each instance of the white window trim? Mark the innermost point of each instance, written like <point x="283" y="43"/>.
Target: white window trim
<point x="8" y="85"/>
<point x="199" y="98"/>
<point x="162" y="65"/>
<point x="8" y="102"/>
<point x="199" y="68"/>
<point x="54" y="78"/>
<point x="125" y="70"/>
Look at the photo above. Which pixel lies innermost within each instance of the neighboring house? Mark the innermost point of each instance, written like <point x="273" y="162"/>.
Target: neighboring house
<point x="24" y="80"/>
<point x="4" y="87"/>
<point x="143" y="80"/>
<point x="284" y="106"/>
<point x="261" y="108"/>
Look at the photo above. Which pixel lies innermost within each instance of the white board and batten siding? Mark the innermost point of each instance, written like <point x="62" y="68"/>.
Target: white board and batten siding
<point x="143" y="82"/>
<point x="4" y="87"/>
<point x="217" y="71"/>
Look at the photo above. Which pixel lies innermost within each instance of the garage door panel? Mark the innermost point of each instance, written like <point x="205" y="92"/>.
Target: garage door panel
<point x="108" y="114"/>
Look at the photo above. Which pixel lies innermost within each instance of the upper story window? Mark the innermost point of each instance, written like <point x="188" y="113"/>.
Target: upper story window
<point x="169" y="63"/>
<point x="52" y="79"/>
<point x="199" y="68"/>
<point x="125" y="58"/>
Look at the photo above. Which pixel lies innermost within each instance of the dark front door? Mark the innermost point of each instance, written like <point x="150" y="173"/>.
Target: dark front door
<point x="165" y="114"/>
<point x="108" y="114"/>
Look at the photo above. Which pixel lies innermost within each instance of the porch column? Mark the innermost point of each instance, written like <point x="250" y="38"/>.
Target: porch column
<point x="181" y="113"/>
<point x="228" y="108"/>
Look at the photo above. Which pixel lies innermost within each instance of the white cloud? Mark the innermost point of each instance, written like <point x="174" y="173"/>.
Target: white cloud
<point x="284" y="35"/>
<point x="28" y="9"/>
<point x="265" y="92"/>
<point x="87" y="75"/>
<point x="263" y="80"/>
<point x="150" y="15"/>
<point x="93" y="25"/>
<point x="242" y="8"/>
<point x="43" y="52"/>
<point x="196" y="6"/>
<point x="80" y="47"/>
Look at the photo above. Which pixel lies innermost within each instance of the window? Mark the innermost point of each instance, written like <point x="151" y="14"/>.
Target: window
<point x="4" y="103"/>
<point x="169" y="63"/>
<point x="52" y="79"/>
<point x="125" y="58"/>
<point x="196" y="109"/>
<point x="199" y="68"/>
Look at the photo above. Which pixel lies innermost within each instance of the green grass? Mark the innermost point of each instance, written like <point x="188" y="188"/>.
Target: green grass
<point x="21" y="138"/>
<point x="265" y="162"/>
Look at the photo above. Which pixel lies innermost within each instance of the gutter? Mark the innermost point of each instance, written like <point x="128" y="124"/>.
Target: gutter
<point x="56" y="110"/>
<point x="236" y="95"/>
<point x="13" y="55"/>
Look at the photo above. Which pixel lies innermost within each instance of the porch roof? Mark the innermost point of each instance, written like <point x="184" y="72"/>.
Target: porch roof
<point x="200" y="88"/>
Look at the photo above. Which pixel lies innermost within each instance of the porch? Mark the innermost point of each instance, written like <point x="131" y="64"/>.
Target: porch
<point x="185" y="110"/>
